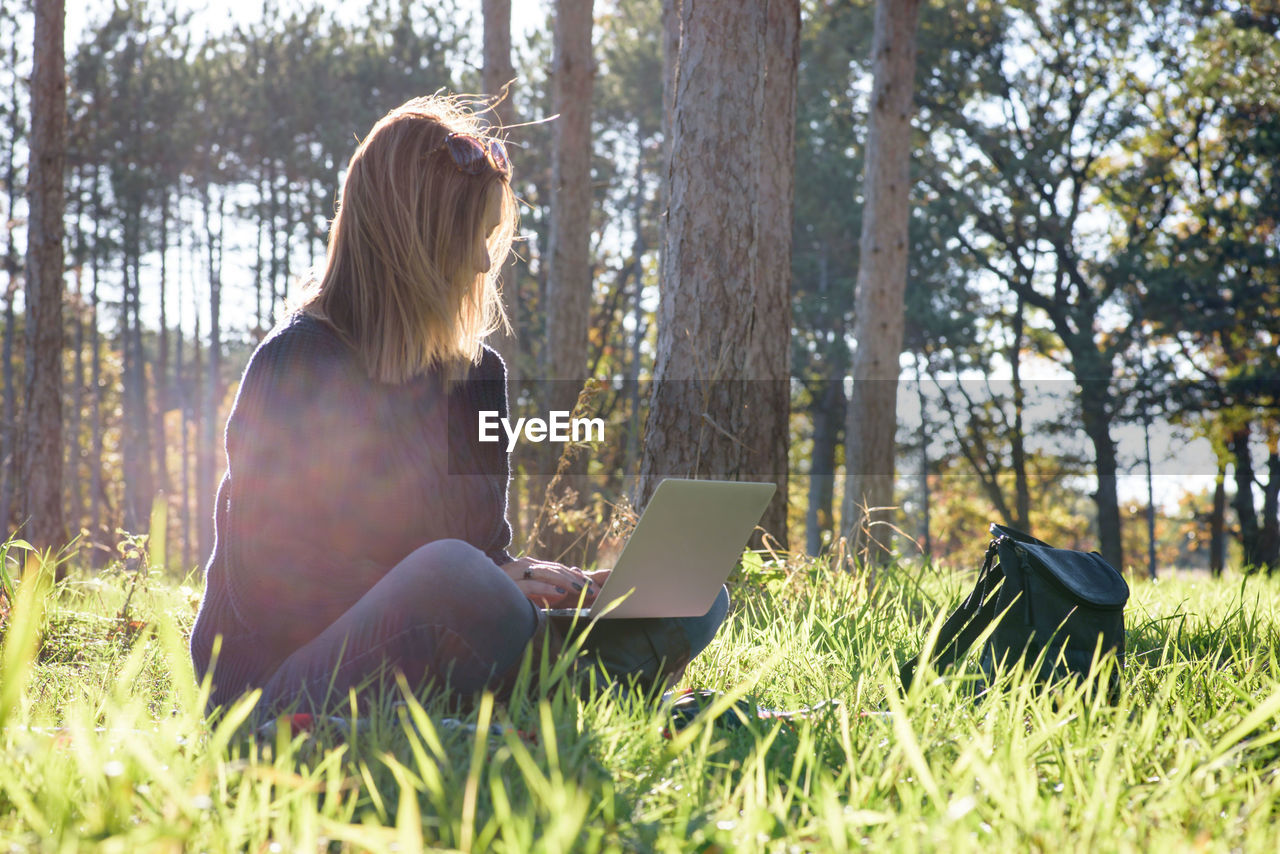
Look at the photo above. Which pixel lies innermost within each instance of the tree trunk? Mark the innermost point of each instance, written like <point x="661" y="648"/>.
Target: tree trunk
<point x="184" y="450"/>
<point x="1269" y="538"/>
<point x="209" y="444"/>
<point x="828" y="415"/>
<point x="95" y="378"/>
<point x="631" y="450"/>
<point x="8" y="434"/>
<point x="1218" y="523"/>
<point x="9" y="427"/>
<point x="882" y="274"/>
<point x="1246" y="513"/>
<point x="1018" y="456"/>
<point x="161" y="379"/>
<point x="719" y="404"/>
<point x="203" y="457"/>
<point x="498" y="73"/>
<point x="76" y="492"/>
<point x="1096" y="415"/>
<point x="775" y="173"/>
<point x="926" y="541"/>
<point x="140" y="483"/>
<point x="569" y="277"/>
<point x="42" y="457"/>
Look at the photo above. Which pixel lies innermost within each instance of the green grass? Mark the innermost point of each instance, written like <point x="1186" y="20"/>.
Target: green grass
<point x="103" y="745"/>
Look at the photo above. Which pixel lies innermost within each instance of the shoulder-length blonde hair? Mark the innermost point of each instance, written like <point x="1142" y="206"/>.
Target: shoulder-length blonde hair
<point x="400" y="281"/>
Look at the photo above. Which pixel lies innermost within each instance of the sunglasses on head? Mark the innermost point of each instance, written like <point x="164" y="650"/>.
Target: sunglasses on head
<point x="472" y="155"/>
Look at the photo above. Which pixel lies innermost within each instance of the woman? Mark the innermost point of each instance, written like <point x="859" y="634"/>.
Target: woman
<point x="361" y="526"/>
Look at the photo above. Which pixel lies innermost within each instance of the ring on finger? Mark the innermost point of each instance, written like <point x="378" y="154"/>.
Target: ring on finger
<point x="528" y="573"/>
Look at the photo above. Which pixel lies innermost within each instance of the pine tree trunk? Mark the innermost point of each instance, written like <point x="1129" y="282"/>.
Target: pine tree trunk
<point x="161" y="378"/>
<point x="1022" y="490"/>
<point x="1096" y="407"/>
<point x="183" y="399"/>
<point x="1246" y="512"/>
<point x="827" y="412"/>
<point x="95" y="378"/>
<point x="8" y="431"/>
<point x="213" y="388"/>
<point x="569" y="276"/>
<point x="42" y="446"/>
<point x="498" y="73"/>
<point x="136" y="444"/>
<point x="204" y="491"/>
<point x="76" y="493"/>
<point x="828" y="415"/>
<point x="1269" y="537"/>
<point x="882" y="274"/>
<point x="719" y="405"/>
<point x="9" y="428"/>
<point x="1218" y="523"/>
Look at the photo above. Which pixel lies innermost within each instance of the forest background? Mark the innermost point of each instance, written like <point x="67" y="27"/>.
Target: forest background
<point x="1092" y="295"/>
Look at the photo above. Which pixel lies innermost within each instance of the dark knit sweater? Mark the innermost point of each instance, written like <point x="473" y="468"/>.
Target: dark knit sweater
<point x="332" y="478"/>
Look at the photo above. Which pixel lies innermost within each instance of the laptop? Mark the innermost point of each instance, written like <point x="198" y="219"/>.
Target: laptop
<point x="687" y="541"/>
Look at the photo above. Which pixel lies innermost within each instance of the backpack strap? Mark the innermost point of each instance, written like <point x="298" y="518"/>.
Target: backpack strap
<point x="966" y="622"/>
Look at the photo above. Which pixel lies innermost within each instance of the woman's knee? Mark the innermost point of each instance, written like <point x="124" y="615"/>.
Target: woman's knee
<point x="701" y="630"/>
<point x="455" y="563"/>
<point x="459" y="573"/>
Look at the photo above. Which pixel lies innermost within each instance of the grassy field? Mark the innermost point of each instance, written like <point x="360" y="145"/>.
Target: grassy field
<point x="103" y="746"/>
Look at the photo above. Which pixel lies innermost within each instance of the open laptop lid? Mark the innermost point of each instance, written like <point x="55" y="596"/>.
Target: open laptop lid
<point x="687" y="541"/>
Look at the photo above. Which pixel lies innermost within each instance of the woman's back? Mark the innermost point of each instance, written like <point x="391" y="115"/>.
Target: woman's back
<point x="332" y="478"/>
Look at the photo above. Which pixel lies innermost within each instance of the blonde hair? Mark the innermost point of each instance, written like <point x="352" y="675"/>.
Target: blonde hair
<point x="399" y="281"/>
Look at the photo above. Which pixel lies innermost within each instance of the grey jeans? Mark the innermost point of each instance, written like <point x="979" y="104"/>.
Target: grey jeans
<point x="448" y="618"/>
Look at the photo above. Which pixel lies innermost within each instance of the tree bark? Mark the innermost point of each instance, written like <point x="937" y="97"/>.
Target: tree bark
<point x="203" y="456"/>
<point x="1269" y="537"/>
<point x="569" y="277"/>
<point x="95" y="379"/>
<point x="828" y="416"/>
<point x="209" y="444"/>
<point x="8" y="433"/>
<point x="75" y="492"/>
<point x="1218" y="523"/>
<point x="1018" y="456"/>
<point x="1246" y="511"/>
<point x="882" y="274"/>
<point x="42" y="458"/>
<point x="9" y="427"/>
<point x="498" y="73"/>
<point x="719" y="406"/>
<point x="180" y="389"/>
<point x="161" y="380"/>
<point x="1096" y="416"/>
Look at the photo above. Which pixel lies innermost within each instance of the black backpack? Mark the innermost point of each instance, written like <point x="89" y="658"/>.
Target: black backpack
<point x="1065" y="600"/>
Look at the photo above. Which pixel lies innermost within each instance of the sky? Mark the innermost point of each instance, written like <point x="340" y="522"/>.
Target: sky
<point x="216" y="17"/>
